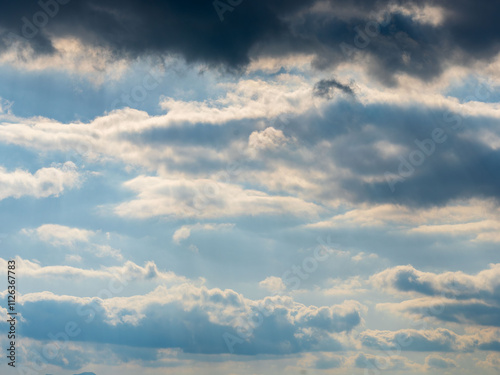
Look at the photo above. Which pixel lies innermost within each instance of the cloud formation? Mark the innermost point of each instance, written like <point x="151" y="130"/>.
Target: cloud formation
<point x="45" y="182"/>
<point x="194" y="319"/>
<point x="415" y="39"/>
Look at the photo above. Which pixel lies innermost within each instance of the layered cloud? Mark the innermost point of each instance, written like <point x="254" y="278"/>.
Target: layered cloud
<point x="129" y="271"/>
<point x="453" y="297"/>
<point x="205" y="198"/>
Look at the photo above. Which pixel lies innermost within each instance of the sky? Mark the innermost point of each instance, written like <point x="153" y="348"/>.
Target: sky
<point x="251" y="187"/>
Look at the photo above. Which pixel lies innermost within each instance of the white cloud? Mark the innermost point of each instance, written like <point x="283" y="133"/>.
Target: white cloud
<point x="454" y="297"/>
<point x="204" y="198"/>
<point x="109" y="136"/>
<point x="477" y="219"/>
<point x="128" y="271"/>
<point x="45" y="182"/>
<point x="184" y="232"/>
<point x="59" y="235"/>
<point x="273" y="284"/>
<point x="72" y="56"/>
<point x="247" y="99"/>
<point x="73" y="258"/>
<point x="267" y="139"/>
<point x="102" y="251"/>
<point x="338" y="287"/>
<point x="453" y="284"/>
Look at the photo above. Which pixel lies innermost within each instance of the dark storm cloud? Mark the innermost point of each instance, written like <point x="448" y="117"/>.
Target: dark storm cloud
<point x="194" y="30"/>
<point x="326" y="87"/>
<point x="131" y="27"/>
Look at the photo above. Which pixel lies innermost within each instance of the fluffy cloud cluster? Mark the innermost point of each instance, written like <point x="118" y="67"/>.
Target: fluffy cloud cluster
<point x="194" y="319"/>
<point x="45" y="182"/>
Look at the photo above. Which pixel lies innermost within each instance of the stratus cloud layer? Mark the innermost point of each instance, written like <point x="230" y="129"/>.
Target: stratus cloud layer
<point x="475" y="219"/>
<point x="205" y="198"/>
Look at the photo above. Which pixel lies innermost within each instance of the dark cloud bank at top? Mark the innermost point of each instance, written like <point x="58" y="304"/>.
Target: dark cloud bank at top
<point x="193" y="29"/>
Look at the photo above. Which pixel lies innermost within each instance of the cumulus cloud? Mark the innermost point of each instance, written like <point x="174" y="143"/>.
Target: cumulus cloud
<point x="273" y="284"/>
<point x="484" y="285"/>
<point x="44" y="183"/>
<point x="267" y="139"/>
<point x="194" y="319"/>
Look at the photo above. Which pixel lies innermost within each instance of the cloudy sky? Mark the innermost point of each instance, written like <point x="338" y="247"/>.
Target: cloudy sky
<point x="251" y="187"/>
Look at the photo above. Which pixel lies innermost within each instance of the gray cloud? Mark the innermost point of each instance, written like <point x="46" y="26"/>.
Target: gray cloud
<point x="326" y="87"/>
<point x="193" y="319"/>
<point x="452" y="297"/>
<point x="403" y="43"/>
